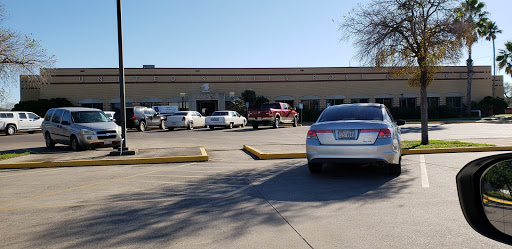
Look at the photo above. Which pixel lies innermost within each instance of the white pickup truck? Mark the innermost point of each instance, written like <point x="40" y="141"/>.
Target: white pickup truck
<point x="13" y="121"/>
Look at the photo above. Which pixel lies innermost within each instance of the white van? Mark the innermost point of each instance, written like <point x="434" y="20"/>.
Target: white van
<point x="81" y="128"/>
<point x="11" y="122"/>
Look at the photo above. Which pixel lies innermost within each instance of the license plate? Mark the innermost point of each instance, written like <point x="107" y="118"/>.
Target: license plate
<point x="173" y="123"/>
<point x="258" y="118"/>
<point x="215" y="119"/>
<point x="107" y="142"/>
<point x="346" y="134"/>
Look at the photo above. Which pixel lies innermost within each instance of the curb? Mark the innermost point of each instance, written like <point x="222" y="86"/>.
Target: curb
<point x="104" y="162"/>
<point x="455" y="150"/>
<point x="264" y="156"/>
<point x="464" y="122"/>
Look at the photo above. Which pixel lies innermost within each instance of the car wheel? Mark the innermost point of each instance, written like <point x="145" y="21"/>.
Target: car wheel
<point x="49" y="141"/>
<point x="75" y="145"/>
<point x="276" y="123"/>
<point x="10" y="130"/>
<point x="190" y="126"/>
<point x="162" y="125"/>
<point x="295" y="122"/>
<point x="255" y="125"/>
<point x="395" y="169"/>
<point x="243" y="124"/>
<point x="315" y="167"/>
<point x="230" y="126"/>
<point x="212" y="127"/>
<point x="142" y="126"/>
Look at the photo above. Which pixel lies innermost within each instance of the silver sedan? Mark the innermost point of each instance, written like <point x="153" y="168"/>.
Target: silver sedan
<point x="355" y="134"/>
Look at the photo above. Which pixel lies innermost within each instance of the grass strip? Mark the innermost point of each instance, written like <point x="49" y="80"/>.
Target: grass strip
<point x="12" y="155"/>
<point x="436" y="144"/>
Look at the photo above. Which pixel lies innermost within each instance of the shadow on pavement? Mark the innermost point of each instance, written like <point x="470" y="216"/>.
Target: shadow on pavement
<point x="224" y="206"/>
<point x="41" y="150"/>
<point x="436" y="127"/>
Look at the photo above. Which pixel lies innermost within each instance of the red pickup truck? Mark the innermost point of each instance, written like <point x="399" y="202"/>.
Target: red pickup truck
<point x="274" y="114"/>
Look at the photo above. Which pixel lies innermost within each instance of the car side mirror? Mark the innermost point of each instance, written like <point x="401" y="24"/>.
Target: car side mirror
<point x="64" y="122"/>
<point x="484" y="188"/>
<point x="400" y="122"/>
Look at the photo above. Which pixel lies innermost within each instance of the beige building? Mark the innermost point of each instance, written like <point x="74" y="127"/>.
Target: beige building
<point x="209" y="89"/>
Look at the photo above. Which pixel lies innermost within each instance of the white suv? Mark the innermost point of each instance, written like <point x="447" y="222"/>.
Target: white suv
<point x="10" y="122"/>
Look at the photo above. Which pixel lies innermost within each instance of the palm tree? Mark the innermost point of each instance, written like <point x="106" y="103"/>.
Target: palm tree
<point x="489" y="31"/>
<point x="505" y="58"/>
<point x="470" y="15"/>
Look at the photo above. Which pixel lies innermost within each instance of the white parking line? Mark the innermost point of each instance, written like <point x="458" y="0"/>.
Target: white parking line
<point x="424" y="176"/>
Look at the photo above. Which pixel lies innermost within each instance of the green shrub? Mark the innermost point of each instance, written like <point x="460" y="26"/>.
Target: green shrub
<point x="492" y="106"/>
<point x="41" y="106"/>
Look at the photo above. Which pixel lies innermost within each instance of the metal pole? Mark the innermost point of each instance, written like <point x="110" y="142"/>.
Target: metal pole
<point x="122" y="99"/>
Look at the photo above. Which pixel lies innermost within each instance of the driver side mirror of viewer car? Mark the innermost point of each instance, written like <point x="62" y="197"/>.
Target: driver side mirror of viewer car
<point x="485" y="194"/>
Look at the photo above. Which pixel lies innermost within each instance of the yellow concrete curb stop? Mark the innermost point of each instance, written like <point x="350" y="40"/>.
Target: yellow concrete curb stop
<point x="262" y="155"/>
<point x="104" y="162"/>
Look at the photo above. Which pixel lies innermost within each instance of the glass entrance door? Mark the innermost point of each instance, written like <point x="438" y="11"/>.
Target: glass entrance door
<point x="207" y="107"/>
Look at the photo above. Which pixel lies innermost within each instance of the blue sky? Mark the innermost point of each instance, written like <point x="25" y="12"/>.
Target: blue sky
<point x="193" y="33"/>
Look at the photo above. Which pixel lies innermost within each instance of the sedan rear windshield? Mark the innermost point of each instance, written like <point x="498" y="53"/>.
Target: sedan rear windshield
<point x="351" y="113"/>
<point x="180" y="114"/>
<point x="220" y="114"/>
<point x="89" y="117"/>
<point x="271" y="106"/>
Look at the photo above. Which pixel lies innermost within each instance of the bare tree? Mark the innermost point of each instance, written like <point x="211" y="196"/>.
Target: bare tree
<point x="21" y="55"/>
<point x="409" y="38"/>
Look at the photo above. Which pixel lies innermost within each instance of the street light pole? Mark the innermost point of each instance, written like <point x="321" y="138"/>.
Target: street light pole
<point x="122" y="99"/>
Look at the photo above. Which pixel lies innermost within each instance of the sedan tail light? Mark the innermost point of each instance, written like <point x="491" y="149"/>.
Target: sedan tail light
<point x="312" y="134"/>
<point x="183" y="119"/>
<point x="134" y="118"/>
<point x="384" y="133"/>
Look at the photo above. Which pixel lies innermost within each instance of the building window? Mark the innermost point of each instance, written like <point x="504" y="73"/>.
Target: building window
<point x="433" y="101"/>
<point x="408" y="102"/>
<point x="388" y="102"/>
<point x="352" y="101"/>
<point x="94" y="105"/>
<point x="312" y="104"/>
<point x="331" y="102"/>
<point x="454" y="102"/>
<point x="149" y="104"/>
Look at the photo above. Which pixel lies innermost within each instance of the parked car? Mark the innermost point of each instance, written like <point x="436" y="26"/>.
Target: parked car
<point x="273" y="114"/>
<point x="80" y="128"/>
<point x="355" y="134"/>
<point x="185" y="119"/>
<point x="226" y="119"/>
<point x="13" y="121"/>
<point x="141" y="117"/>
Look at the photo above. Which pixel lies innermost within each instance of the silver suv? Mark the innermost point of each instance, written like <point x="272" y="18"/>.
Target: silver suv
<point x="80" y="128"/>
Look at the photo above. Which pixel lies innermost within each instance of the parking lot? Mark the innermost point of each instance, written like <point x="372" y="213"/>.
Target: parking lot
<point x="235" y="201"/>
